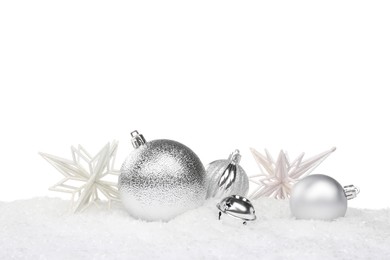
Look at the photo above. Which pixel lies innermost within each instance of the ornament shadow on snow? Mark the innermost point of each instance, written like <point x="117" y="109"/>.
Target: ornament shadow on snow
<point x="320" y="197"/>
<point x="278" y="177"/>
<point x="237" y="207"/>
<point x="226" y="177"/>
<point x="86" y="176"/>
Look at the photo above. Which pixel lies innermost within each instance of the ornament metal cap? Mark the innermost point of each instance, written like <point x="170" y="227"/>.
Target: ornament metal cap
<point x="237" y="207"/>
<point x="137" y="139"/>
<point x="351" y="191"/>
<point x="235" y="157"/>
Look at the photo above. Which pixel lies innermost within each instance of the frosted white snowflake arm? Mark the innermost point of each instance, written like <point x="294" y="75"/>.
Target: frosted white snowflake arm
<point x="84" y="175"/>
<point x="306" y="167"/>
<point x="265" y="164"/>
<point x="277" y="178"/>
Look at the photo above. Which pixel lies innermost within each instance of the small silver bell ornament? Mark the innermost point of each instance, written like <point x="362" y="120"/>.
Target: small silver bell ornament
<point x="237" y="207"/>
<point x="226" y="177"/>
<point x="161" y="179"/>
<point x="320" y="197"/>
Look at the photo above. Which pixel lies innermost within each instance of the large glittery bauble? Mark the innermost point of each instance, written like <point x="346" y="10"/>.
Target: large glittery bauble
<point x="161" y="179"/>
<point x="318" y="197"/>
<point x="218" y="182"/>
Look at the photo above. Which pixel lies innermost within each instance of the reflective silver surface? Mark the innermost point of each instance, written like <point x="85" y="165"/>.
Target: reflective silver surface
<point x="318" y="196"/>
<point x="137" y="139"/>
<point x="237" y="207"/>
<point x="226" y="177"/>
<point x="351" y="191"/>
<point x="161" y="179"/>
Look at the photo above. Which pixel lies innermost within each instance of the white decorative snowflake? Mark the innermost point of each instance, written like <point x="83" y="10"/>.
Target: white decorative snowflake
<point x="84" y="175"/>
<point x="277" y="178"/>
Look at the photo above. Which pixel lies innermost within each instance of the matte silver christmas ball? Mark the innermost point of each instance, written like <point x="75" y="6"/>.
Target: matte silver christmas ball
<point x="320" y="197"/>
<point x="226" y="177"/>
<point x="161" y="179"/>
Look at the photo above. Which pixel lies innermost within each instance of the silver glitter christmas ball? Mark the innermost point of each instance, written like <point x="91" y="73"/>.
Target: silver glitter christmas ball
<point x="226" y="177"/>
<point x="161" y="179"/>
<point x="320" y="197"/>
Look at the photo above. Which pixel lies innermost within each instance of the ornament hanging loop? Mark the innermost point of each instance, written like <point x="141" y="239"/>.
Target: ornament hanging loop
<point x="351" y="191"/>
<point x="137" y="139"/>
<point x="235" y="157"/>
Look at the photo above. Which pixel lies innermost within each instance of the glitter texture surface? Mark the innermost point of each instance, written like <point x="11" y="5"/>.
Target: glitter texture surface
<point x="214" y="171"/>
<point x="162" y="179"/>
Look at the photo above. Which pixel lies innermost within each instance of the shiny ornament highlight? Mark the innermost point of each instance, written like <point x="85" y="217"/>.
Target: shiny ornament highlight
<point x="226" y="177"/>
<point x="237" y="207"/>
<point x="161" y="179"/>
<point x="320" y="197"/>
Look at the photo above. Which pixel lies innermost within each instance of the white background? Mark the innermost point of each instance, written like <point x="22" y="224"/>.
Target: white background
<point x="215" y="75"/>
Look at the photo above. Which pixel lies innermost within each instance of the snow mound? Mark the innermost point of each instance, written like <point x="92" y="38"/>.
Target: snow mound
<point x="43" y="228"/>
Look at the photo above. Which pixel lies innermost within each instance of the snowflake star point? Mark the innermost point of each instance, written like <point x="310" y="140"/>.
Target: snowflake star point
<point x="89" y="173"/>
<point x="278" y="177"/>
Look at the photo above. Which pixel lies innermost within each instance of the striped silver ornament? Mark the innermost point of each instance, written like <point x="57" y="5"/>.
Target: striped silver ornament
<point x="226" y="177"/>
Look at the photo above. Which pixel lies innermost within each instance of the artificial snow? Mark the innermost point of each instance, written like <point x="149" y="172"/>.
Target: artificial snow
<point x="43" y="228"/>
